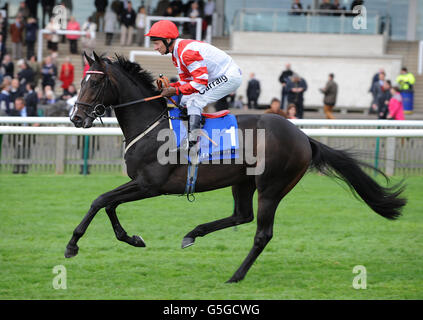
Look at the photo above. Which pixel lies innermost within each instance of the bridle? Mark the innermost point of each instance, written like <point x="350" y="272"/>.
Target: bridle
<point x="99" y="109"/>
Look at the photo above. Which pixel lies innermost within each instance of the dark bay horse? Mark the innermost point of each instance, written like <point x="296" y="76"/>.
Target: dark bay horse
<point x="288" y="154"/>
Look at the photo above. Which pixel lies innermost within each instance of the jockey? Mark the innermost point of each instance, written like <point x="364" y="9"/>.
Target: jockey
<point x="206" y="73"/>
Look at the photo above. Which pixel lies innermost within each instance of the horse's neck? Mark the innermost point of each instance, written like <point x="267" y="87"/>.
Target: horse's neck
<point x="134" y="119"/>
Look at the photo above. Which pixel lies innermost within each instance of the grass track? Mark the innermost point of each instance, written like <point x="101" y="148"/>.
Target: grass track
<point x="321" y="232"/>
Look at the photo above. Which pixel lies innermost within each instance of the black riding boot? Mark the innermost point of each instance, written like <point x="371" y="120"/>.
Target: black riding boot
<point x="194" y="124"/>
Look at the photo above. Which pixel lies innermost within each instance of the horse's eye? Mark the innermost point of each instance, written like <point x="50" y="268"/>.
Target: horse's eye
<point x="94" y="83"/>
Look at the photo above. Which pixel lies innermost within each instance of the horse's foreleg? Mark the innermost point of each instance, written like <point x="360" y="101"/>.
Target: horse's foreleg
<point x="130" y="191"/>
<point x="121" y="235"/>
<point x="243" y="213"/>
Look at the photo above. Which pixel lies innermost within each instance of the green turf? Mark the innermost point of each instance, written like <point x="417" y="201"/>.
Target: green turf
<point x="321" y="232"/>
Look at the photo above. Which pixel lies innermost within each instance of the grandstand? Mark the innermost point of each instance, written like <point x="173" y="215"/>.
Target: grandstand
<point x="263" y="40"/>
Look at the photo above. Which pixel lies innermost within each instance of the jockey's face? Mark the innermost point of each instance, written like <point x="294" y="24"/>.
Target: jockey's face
<point x="160" y="46"/>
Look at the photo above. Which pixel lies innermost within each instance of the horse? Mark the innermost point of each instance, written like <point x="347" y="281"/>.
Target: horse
<point x="286" y="154"/>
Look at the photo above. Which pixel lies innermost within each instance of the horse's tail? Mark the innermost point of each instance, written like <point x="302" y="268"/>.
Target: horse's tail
<point x="385" y="201"/>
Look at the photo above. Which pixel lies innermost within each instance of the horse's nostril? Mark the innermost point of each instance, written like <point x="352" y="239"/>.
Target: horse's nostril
<point x="76" y="119"/>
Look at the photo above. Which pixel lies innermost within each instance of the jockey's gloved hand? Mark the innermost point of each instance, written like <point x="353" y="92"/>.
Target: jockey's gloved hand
<point x="168" y="92"/>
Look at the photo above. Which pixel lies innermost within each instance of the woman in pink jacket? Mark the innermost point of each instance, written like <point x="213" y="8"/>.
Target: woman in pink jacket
<point x="73" y="25"/>
<point x="395" y="105"/>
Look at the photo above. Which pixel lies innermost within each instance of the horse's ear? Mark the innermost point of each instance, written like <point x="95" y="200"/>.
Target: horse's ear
<point x="89" y="59"/>
<point x="96" y="57"/>
<point x="99" y="60"/>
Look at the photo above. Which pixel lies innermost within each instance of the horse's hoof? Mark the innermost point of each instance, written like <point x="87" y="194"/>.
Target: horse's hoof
<point x="186" y="242"/>
<point x="137" y="241"/>
<point x="234" y="279"/>
<point x="71" y="251"/>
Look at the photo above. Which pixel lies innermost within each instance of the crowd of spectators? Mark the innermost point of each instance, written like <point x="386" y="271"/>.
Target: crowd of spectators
<point x="36" y="83"/>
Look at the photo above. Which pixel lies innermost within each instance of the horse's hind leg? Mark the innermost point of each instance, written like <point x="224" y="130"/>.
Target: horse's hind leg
<point x="130" y="191"/>
<point x="268" y="200"/>
<point x="243" y="213"/>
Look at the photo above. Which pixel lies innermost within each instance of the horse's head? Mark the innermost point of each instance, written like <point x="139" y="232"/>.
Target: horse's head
<point x="95" y="95"/>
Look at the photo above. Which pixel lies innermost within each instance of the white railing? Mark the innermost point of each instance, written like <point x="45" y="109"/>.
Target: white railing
<point x="150" y="19"/>
<point x="298" y="122"/>
<point x="117" y="131"/>
<point x="134" y="53"/>
<point x="41" y="32"/>
<point x="392" y="145"/>
<point x="420" y="58"/>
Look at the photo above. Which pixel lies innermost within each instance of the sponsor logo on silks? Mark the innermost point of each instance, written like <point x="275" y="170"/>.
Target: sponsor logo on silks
<point x="215" y="83"/>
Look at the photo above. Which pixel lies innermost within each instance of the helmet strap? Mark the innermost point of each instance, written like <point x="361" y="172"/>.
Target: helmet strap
<point x="167" y="45"/>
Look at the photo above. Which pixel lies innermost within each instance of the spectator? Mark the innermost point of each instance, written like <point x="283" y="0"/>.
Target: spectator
<point x="31" y="28"/>
<point x="110" y="21"/>
<point x="117" y="7"/>
<point x="396" y="111"/>
<point x="15" y="90"/>
<point x="48" y="6"/>
<point x="73" y="25"/>
<point x="66" y="74"/>
<point x="21" y="143"/>
<point x="253" y="92"/>
<point x="296" y="8"/>
<point x="31" y="100"/>
<point x="377" y="92"/>
<point x="35" y="66"/>
<point x="168" y="12"/>
<point x="330" y="92"/>
<point x="275" y="108"/>
<point x="32" y="7"/>
<point x="406" y="80"/>
<point x="337" y="6"/>
<point x="88" y="41"/>
<point x="69" y="92"/>
<point x="296" y="87"/>
<point x="53" y="38"/>
<point x="49" y="73"/>
<point x="162" y="7"/>
<point x="101" y="6"/>
<point x="26" y="75"/>
<point x="127" y="20"/>
<point x="383" y="100"/>
<point x="239" y="104"/>
<point x="194" y="13"/>
<point x="374" y="80"/>
<point x="23" y="11"/>
<point x="5" y="106"/>
<point x="325" y="5"/>
<point x="2" y="48"/>
<point x="177" y="7"/>
<point x="16" y="35"/>
<point x="69" y="6"/>
<point x="291" y="111"/>
<point x="283" y="79"/>
<point x="208" y="12"/>
<point x="141" y="21"/>
<point x="8" y="67"/>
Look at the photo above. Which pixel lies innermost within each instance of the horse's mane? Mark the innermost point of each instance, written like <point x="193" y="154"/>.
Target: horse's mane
<point x="136" y="72"/>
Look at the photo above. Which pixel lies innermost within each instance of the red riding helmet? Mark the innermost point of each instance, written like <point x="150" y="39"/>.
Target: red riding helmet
<point x="164" y="29"/>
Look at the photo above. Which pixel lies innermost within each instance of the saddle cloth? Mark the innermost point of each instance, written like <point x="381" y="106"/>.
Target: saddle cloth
<point x="221" y="127"/>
